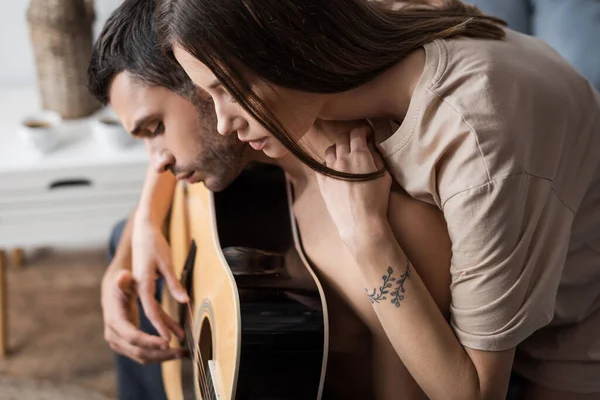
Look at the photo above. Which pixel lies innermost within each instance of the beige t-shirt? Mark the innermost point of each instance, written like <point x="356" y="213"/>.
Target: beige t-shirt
<point x="504" y="137"/>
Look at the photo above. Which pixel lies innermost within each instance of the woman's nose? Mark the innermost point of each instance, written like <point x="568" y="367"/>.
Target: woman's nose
<point x="229" y="119"/>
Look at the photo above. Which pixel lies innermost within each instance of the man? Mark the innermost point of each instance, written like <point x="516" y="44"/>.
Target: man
<point x="156" y="102"/>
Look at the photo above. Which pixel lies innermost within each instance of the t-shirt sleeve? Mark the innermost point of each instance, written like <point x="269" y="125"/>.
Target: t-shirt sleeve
<point x="508" y="251"/>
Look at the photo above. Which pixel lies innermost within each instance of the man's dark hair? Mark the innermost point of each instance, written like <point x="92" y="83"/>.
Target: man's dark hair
<point x="129" y="43"/>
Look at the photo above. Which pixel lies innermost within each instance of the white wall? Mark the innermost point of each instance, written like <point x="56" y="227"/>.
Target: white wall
<point x="17" y="67"/>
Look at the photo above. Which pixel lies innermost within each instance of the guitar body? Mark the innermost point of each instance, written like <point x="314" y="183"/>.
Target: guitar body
<point x="256" y="327"/>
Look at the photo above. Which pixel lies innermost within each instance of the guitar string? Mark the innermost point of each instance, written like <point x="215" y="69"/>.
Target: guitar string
<point x="201" y="381"/>
<point x="192" y="352"/>
<point x="198" y="353"/>
<point x="201" y="368"/>
<point x="200" y="361"/>
<point x="195" y="351"/>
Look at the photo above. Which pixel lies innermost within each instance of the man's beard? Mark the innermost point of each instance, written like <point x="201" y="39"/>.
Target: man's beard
<point x="221" y="160"/>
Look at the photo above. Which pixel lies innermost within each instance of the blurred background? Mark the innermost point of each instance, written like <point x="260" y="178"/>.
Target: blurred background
<point x="65" y="181"/>
<point x="17" y="67"/>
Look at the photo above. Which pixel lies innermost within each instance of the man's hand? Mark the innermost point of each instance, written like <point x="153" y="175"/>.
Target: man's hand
<point x="151" y="257"/>
<point x="120" y="312"/>
<point x="121" y="287"/>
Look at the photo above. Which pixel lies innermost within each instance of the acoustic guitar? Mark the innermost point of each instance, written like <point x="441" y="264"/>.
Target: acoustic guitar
<point x="256" y="326"/>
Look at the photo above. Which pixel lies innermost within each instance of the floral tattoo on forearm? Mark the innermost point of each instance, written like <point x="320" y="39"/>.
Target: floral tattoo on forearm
<point x="397" y="294"/>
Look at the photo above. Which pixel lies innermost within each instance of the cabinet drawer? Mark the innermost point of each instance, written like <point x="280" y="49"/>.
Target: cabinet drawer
<point x="61" y="206"/>
<point x="52" y="207"/>
<point x="36" y="182"/>
<point x="72" y="196"/>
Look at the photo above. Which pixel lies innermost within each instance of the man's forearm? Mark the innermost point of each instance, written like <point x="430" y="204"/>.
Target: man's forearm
<point x="156" y="197"/>
<point x="155" y="201"/>
<point x="122" y="258"/>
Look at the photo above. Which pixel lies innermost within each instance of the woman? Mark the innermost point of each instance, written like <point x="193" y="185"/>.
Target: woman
<point x="491" y="126"/>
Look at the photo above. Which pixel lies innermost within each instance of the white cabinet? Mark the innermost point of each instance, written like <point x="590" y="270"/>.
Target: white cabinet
<point x="72" y="196"/>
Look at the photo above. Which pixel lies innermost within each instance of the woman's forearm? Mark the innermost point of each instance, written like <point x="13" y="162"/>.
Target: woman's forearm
<point x="413" y="322"/>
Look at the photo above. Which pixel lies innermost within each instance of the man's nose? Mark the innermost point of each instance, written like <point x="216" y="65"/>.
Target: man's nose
<point x="162" y="161"/>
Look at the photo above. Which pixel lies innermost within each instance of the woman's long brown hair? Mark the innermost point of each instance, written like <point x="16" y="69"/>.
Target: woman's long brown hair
<point x="319" y="46"/>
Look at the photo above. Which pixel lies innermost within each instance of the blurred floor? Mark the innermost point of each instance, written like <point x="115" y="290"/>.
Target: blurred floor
<point x="55" y="320"/>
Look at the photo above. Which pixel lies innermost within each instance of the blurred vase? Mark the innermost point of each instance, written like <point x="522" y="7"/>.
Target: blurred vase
<point x="61" y="37"/>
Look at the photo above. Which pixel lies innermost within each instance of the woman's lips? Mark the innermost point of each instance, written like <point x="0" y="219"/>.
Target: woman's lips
<point x="258" y="144"/>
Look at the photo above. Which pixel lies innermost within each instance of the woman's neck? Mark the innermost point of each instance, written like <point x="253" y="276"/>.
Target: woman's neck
<point x="387" y="96"/>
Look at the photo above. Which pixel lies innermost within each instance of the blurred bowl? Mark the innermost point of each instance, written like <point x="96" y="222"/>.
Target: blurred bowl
<point x="40" y="130"/>
<point x="110" y="133"/>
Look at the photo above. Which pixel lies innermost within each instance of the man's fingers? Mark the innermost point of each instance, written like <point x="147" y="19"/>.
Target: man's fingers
<point x="125" y="283"/>
<point x="172" y="325"/>
<point x="145" y="356"/>
<point x="153" y="311"/>
<point x="129" y="333"/>
<point x="125" y="338"/>
<point x="173" y="284"/>
<point x="163" y="323"/>
<point x="165" y="267"/>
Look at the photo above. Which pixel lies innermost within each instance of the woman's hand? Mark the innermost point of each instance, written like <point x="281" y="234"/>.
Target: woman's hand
<point x="358" y="209"/>
<point x="151" y="258"/>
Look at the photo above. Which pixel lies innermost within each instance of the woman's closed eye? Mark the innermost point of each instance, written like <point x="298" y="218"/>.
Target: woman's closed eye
<point x="231" y="99"/>
<point x="229" y="96"/>
<point x="224" y="93"/>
